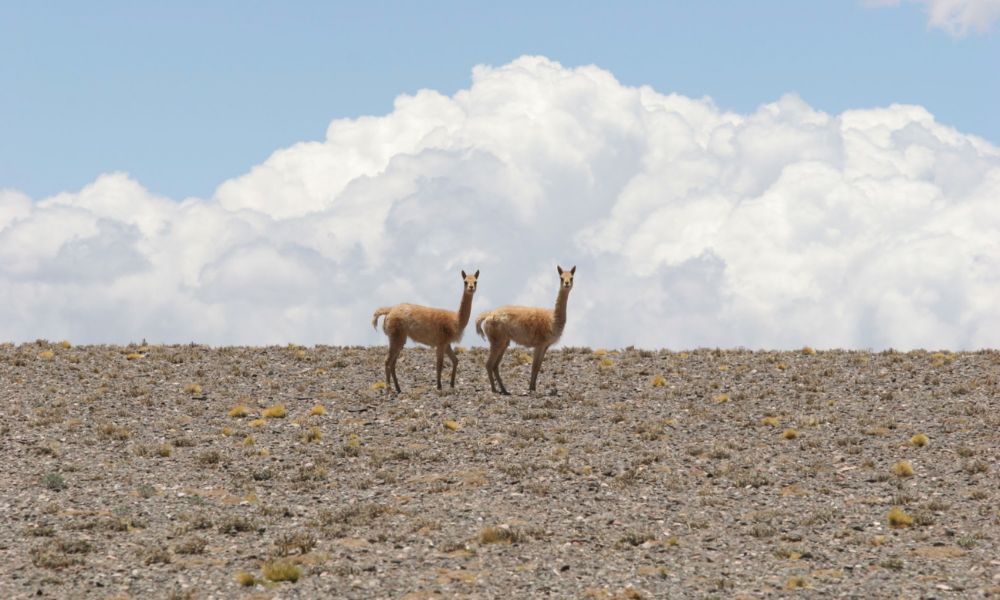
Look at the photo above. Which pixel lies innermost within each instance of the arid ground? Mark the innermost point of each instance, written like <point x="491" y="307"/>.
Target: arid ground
<point x="173" y="472"/>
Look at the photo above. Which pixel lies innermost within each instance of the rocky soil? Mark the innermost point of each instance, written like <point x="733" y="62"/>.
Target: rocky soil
<point x="170" y="472"/>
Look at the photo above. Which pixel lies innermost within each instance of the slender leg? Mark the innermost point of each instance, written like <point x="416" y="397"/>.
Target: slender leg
<point x="454" y="363"/>
<point x="536" y="366"/>
<point x="440" y="363"/>
<point x="489" y="364"/>
<point x="396" y="343"/>
<point x="496" y="366"/>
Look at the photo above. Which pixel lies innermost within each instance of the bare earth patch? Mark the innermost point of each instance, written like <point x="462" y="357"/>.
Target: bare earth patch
<point x="170" y="472"/>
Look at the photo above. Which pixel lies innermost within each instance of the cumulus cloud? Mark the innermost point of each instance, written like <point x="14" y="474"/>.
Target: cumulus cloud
<point x="690" y="226"/>
<point x="956" y="17"/>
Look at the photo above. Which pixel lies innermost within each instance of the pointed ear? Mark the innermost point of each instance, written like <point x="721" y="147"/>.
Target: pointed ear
<point x="463" y="273"/>
<point x="558" y="268"/>
<point x="477" y="274"/>
<point x="573" y="270"/>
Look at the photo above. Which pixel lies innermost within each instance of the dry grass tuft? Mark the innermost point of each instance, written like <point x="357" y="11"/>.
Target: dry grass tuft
<point x="808" y="351"/>
<point x="257" y="423"/>
<point x="245" y="579"/>
<point x="275" y="412"/>
<point x="317" y="410"/>
<point x="919" y="440"/>
<point x="899" y="518"/>
<point x="658" y="381"/>
<point x="720" y="398"/>
<point x="940" y="359"/>
<point x="452" y="425"/>
<point x="790" y="434"/>
<point x="903" y="468"/>
<point x="770" y="421"/>
<point x="378" y="385"/>
<point x="239" y="411"/>
<point x="65" y="345"/>
<point x="133" y="356"/>
<point x="499" y="535"/>
<point x="796" y="583"/>
<point x="281" y="570"/>
<point x="192" y="388"/>
<point x="46" y="355"/>
<point x="313" y="435"/>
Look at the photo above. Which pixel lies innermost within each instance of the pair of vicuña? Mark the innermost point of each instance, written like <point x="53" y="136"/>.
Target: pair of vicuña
<point x="536" y="328"/>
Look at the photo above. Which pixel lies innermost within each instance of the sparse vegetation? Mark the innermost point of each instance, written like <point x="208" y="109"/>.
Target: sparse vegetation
<point x="277" y="411"/>
<point x="281" y="570"/>
<point x="602" y="479"/>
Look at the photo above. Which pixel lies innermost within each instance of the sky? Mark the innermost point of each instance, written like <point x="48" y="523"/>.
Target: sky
<point x="766" y="174"/>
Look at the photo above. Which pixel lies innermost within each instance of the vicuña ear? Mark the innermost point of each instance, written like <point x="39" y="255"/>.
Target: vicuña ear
<point x="463" y="273"/>
<point x="573" y="270"/>
<point x="558" y="268"/>
<point x="477" y="274"/>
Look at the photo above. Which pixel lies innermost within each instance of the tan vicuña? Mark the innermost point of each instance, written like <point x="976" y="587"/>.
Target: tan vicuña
<point x="536" y="328"/>
<point x="436" y="327"/>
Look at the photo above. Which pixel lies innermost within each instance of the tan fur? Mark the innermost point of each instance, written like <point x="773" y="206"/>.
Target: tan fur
<point x="436" y="327"/>
<point x="536" y="328"/>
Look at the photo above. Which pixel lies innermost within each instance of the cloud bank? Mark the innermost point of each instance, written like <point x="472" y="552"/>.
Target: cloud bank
<point x="956" y="17"/>
<point x="690" y="226"/>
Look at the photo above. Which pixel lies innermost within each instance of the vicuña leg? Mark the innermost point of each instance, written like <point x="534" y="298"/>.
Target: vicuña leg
<point x="536" y="366"/>
<point x="396" y="343"/>
<point x="496" y="366"/>
<point x="440" y="363"/>
<point x="454" y="363"/>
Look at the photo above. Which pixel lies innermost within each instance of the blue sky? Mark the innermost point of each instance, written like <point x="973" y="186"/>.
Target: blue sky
<point x="184" y="95"/>
<point x="759" y="174"/>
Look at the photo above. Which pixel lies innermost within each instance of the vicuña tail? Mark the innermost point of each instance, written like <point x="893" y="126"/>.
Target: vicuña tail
<point x="479" y="324"/>
<point x="378" y="313"/>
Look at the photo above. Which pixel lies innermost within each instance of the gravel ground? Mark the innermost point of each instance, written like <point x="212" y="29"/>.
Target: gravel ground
<point x="631" y="474"/>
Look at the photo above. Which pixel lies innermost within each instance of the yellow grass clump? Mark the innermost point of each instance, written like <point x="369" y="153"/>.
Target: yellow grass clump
<point x="228" y="431"/>
<point x="903" y="468"/>
<point x="245" y="579"/>
<point x="275" y="412"/>
<point x="770" y="421"/>
<point x="281" y="570"/>
<point x="133" y="356"/>
<point x="790" y="434"/>
<point x="497" y="535"/>
<point x="795" y="583"/>
<point x="600" y="352"/>
<point x="808" y="351"/>
<point x="378" y="385"/>
<point x="65" y="345"/>
<point x="257" y="423"/>
<point x="239" y="411"/>
<point x="313" y="435"/>
<point x="939" y="359"/>
<point x="192" y="388"/>
<point x="249" y="440"/>
<point x="720" y="398"/>
<point x="898" y="517"/>
<point x="452" y="425"/>
<point x="46" y="355"/>
<point x="919" y="440"/>
<point x="658" y="381"/>
<point x="607" y="362"/>
<point x="317" y="410"/>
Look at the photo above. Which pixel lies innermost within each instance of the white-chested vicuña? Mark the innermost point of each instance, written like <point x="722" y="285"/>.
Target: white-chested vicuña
<point x="436" y="327"/>
<point x="536" y="328"/>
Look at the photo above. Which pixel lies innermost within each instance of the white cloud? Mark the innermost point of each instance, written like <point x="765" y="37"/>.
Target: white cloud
<point x="957" y="17"/>
<point x="690" y="226"/>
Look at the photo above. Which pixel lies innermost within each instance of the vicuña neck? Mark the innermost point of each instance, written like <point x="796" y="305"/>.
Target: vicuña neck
<point x="559" y="315"/>
<point x="464" y="310"/>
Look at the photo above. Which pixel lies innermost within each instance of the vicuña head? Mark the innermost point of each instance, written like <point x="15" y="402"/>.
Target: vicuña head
<point x="436" y="327"/>
<point x="536" y="328"/>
